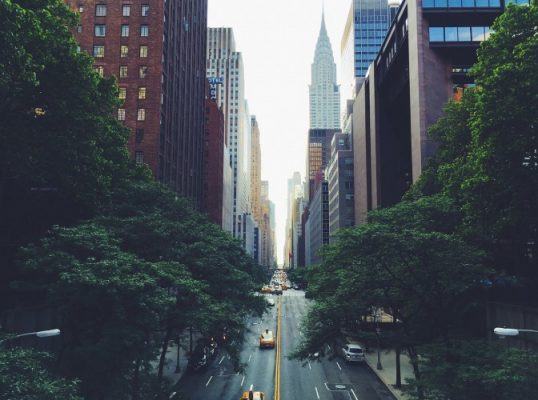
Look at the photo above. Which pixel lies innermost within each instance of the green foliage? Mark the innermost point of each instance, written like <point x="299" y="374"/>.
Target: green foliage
<point x="470" y="370"/>
<point x="404" y="260"/>
<point x="24" y="376"/>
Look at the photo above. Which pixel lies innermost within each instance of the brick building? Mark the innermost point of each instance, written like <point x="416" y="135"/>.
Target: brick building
<point x="156" y="49"/>
<point x="214" y="162"/>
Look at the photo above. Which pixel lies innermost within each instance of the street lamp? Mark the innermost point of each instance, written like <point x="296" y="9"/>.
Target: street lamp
<point x="39" y="334"/>
<point x="511" y="331"/>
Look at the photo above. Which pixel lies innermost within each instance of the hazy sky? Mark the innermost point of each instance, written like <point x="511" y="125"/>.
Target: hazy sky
<point x="277" y="39"/>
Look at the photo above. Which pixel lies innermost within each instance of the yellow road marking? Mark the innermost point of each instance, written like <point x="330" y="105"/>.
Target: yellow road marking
<point x="277" y="356"/>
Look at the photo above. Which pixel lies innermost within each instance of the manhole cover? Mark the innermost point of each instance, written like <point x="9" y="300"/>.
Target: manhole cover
<point x="333" y="387"/>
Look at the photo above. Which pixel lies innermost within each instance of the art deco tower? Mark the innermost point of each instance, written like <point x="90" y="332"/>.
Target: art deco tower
<point x="324" y="91"/>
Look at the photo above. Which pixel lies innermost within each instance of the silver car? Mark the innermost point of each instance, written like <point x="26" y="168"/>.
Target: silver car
<point x="353" y="352"/>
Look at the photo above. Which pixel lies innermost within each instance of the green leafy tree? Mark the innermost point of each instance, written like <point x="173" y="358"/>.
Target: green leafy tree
<point x="24" y="375"/>
<point x="111" y="304"/>
<point x="476" y="369"/>
<point x="61" y="147"/>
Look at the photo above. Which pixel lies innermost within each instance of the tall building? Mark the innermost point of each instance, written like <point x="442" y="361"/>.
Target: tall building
<point x="294" y="184"/>
<point x="318" y="223"/>
<point x="423" y="63"/>
<point x="255" y="171"/>
<point x="340" y="180"/>
<point x="157" y="52"/>
<point x="214" y="162"/>
<point x="324" y="90"/>
<point x="364" y="32"/>
<point x="226" y="64"/>
<point x="318" y="155"/>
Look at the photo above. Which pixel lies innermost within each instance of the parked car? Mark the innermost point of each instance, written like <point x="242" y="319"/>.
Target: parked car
<point x="199" y="359"/>
<point x="352" y="352"/>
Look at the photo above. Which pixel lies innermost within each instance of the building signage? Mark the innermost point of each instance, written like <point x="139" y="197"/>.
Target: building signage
<point x="213" y="82"/>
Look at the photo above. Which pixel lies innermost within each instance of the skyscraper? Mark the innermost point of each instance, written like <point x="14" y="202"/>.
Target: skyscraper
<point x="365" y="30"/>
<point x="156" y="50"/>
<point x="226" y="64"/>
<point x="323" y="89"/>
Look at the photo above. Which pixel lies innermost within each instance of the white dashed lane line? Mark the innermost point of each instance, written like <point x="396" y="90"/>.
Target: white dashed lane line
<point x="317" y="393"/>
<point x="354" y="395"/>
<point x="339" y="367"/>
<point x="209" y="380"/>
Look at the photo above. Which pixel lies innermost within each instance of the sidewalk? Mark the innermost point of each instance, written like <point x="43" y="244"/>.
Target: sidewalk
<point x="388" y="373"/>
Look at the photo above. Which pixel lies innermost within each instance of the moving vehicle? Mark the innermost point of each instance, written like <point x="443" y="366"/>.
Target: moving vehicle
<point x="252" y="395"/>
<point x="270" y="302"/>
<point x="352" y="352"/>
<point x="266" y="289"/>
<point x="267" y="339"/>
<point x="199" y="359"/>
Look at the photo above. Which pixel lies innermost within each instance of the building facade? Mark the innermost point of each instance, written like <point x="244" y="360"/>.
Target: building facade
<point x="340" y="181"/>
<point x="214" y="163"/>
<point x="318" y="155"/>
<point x="423" y="62"/>
<point x="255" y="171"/>
<point x="324" y="90"/>
<point x="226" y="64"/>
<point x="318" y="221"/>
<point x="156" y="50"/>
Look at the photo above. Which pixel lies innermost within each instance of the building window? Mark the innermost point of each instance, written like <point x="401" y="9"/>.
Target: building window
<point x="124" y="51"/>
<point x="124" y="30"/>
<point x="80" y="9"/>
<point x="142" y="71"/>
<point x="100" y="30"/>
<point x="122" y="93"/>
<point x="141" y="93"/>
<point x="143" y="51"/>
<point x="144" y="30"/>
<point x="123" y="71"/>
<point x="139" y="157"/>
<point x="139" y="137"/>
<point x="99" y="51"/>
<point x="145" y="10"/>
<point x="121" y="114"/>
<point x="141" y="114"/>
<point x="126" y="10"/>
<point x="79" y="28"/>
<point x="100" y="10"/>
<point x="100" y="71"/>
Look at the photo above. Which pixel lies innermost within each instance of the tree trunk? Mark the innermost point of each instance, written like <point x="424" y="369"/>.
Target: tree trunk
<point x="398" y="370"/>
<point x="136" y="380"/>
<point x="164" y="349"/>
<point x="414" y="362"/>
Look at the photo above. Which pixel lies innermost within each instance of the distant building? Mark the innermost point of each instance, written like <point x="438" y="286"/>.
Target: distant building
<point x="225" y="64"/>
<point x="318" y="221"/>
<point x="324" y="90"/>
<point x="340" y="180"/>
<point x="255" y="171"/>
<point x="214" y="162"/>
<point x="156" y="50"/>
<point x="318" y="155"/>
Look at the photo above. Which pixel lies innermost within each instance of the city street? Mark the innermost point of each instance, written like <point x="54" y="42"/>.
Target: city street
<point x="327" y="379"/>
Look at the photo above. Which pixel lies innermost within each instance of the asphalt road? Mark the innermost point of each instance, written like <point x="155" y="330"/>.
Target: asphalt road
<point x="327" y="379"/>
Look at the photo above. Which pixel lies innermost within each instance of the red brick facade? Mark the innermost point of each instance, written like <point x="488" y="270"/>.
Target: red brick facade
<point x="157" y="52"/>
<point x="214" y="161"/>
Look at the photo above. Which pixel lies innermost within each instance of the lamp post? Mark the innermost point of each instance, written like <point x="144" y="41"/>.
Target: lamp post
<point x="378" y="331"/>
<point x="178" y="368"/>
<point x="511" y="331"/>
<point x="39" y="334"/>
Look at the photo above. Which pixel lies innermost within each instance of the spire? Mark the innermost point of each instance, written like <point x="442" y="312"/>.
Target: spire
<point x="323" y="16"/>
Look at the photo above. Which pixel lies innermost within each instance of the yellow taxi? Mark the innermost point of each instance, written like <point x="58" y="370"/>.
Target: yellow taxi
<point x="252" y="395"/>
<point x="266" y="289"/>
<point x="267" y="339"/>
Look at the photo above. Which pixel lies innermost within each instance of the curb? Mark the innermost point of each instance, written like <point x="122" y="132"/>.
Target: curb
<point x="395" y="393"/>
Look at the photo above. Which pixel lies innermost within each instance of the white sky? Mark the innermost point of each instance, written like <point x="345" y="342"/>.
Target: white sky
<point x="277" y="39"/>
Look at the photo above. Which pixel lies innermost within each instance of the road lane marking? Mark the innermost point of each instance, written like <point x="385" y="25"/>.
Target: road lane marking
<point x="249" y="357"/>
<point x="209" y="380"/>
<point x="339" y="367"/>
<point x="317" y="393"/>
<point x="354" y="395"/>
<point x="222" y="359"/>
<point x="242" y="380"/>
<point x="309" y="366"/>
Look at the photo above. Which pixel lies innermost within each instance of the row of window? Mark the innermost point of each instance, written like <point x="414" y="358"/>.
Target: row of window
<point x="459" y="34"/>
<point x="461" y="3"/>
<point x="101" y="10"/>
<point x="142" y="91"/>
<point x="99" y="51"/>
<point x="100" y="30"/>
<point x="140" y="114"/>
<point x="142" y="71"/>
